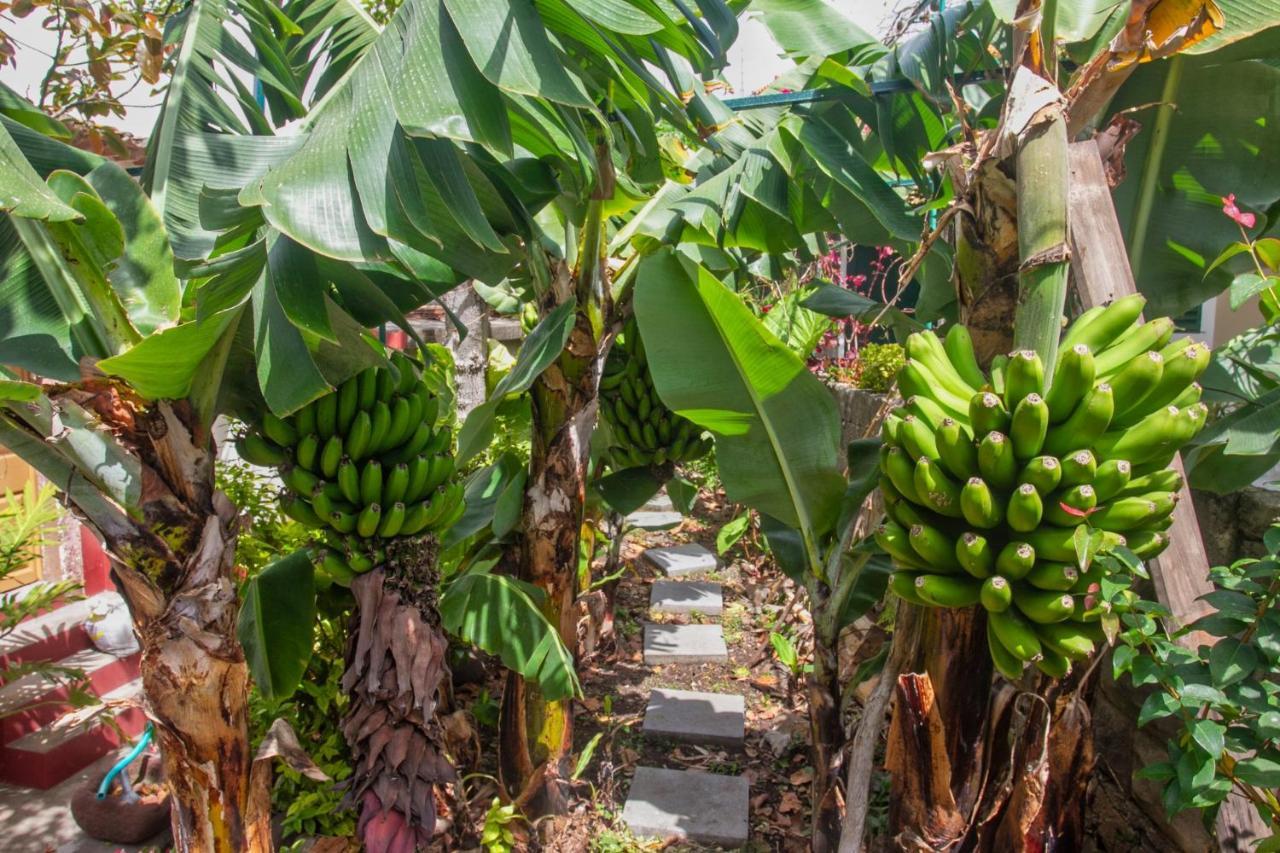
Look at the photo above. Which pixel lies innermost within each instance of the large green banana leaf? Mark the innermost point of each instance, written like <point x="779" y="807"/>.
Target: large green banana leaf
<point x="775" y="425"/>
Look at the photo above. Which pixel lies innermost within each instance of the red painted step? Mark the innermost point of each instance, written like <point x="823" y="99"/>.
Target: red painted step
<point x="50" y="636"/>
<point x="51" y="754"/>
<point x="32" y="702"/>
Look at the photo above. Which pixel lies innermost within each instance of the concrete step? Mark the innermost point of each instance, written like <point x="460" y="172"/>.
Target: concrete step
<point x="694" y="717"/>
<point x="50" y="754"/>
<point x="665" y="644"/>
<point x="679" y="560"/>
<point x="704" y="808"/>
<point x="668" y="596"/>
<point x="50" y="636"/>
<point x="29" y="703"/>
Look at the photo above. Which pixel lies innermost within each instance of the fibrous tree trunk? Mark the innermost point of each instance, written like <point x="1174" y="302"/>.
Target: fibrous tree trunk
<point x="537" y="733"/>
<point x="141" y="475"/>
<point x="395" y="666"/>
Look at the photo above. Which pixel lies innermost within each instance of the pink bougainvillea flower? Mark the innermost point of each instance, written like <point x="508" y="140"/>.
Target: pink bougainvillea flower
<point x="1229" y="207"/>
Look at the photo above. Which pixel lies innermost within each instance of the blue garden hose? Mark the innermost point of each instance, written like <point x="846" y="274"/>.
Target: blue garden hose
<point x="105" y="787"/>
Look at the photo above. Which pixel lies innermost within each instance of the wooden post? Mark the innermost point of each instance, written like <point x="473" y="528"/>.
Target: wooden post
<point x="1100" y="269"/>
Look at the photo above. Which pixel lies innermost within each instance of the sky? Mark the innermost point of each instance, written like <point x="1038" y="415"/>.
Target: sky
<point x="753" y="61"/>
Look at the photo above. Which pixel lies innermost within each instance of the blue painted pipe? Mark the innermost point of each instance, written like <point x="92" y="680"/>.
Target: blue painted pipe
<point x="105" y="787"/>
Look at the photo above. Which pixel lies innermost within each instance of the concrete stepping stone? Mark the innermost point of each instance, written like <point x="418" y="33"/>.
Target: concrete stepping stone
<point x="668" y="596"/>
<point x="705" y="808"/>
<point x="654" y="519"/>
<point x="678" y="560"/>
<point x="688" y="715"/>
<point x="684" y="644"/>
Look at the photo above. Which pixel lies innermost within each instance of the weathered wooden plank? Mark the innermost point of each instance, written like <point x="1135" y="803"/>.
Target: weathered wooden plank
<point x="1100" y="269"/>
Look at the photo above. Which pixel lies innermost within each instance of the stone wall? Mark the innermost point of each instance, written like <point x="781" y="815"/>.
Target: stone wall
<point x="1232" y="525"/>
<point x="858" y="410"/>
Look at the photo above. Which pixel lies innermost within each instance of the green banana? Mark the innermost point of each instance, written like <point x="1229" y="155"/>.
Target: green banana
<point x="256" y="450"/>
<point x="987" y="414"/>
<point x="1135" y="382"/>
<point x="349" y="480"/>
<point x="1068" y="508"/>
<point x="897" y="465"/>
<point x="343" y="522"/>
<point x="996" y="594"/>
<point x="1006" y="662"/>
<point x="1068" y="639"/>
<point x="1043" y="606"/>
<point x="379" y="426"/>
<point x="925" y="348"/>
<point x="1100" y="326"/>
<point x="959" y="348"/>
<point x="1015" y="560"/>
<point x="308" y="451"/>
<point x="927" y="410"/>
<point x="974" y="554"/>
<point x="368" y="520"/>
<point x="400" y="426"/>
<point x="279" y="430"/>
<point x="1023" y="376"/>
<point x="1086" y="423"/>
<point x="996" y="462"/>
<point x="1111" y="479"/>
<point x="392" y="520"/>
<point x="1025" y="509"/>
<point x="1157" y="433"/>
<point x="1028" y="426"/>
<point x="371" y="482"/>
<point x="917" y="438"/>
<point x="302" y="481"/>
<point x="948" y="590"/>
<point x="414" y="444"/>
<point x="1055" y="577"/>
<point x="1165" y="480"/>
<point x="1072" y="379"/>
<point x="332" y="564"/>
<point x="980" y="506"/>
<point x="419" y="472"/>
<point x="395" y="484"/>
<point x="1016" y="634"/>
<point x="1056" y="544"/>
<point x="998" y="365"/>
<point x="442" y="468"/>
<point x="357" y="441"/>
<point x="915" y="380"/>
<point x="1181" y="370"/>
<point x="330" y="456"/>
<point x="903" y="585"/>
<point x="1053" y="664"/>
<point x="367" y="388"/>
<point x="1151" y="335"/>
<point x="956" y="450"/>
<point x="416" y="516"/>
<point x="1078" y="467"/>
<point x="441" y="440"/>
<point x="297" y="508"/>
<point x="348" y="403"/>
<point x="937" y="491"/>
<point x="407" y="372"/>
<point x="894" y="541"/>
<point x="1042" y="472"/>
<point x="444" y="506"/>
<point x="1147" y="543"/>
<point x="1129" y="513"/>
<point x="327" y="415"/>
<point x="386" y="382"/>
<point x="933" y="546"/>
<point x="304" y="420"/>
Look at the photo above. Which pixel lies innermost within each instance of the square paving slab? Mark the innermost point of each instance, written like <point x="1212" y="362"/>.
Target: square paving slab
<point x="668" y="596"/>
<point x="705" y="808"/>
<point x="677" y="560"/>
<point x="694" y="717"/>
<point x="684" y="644"/>
<point x="654" y="519"/>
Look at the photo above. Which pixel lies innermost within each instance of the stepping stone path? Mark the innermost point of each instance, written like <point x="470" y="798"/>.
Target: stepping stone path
<point x="680" y="560"/>
<point x="705" y="808"/>
<point x="686" y="597"/>
<point x="657" y="514"/>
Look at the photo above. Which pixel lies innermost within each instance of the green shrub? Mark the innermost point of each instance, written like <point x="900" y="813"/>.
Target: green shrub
<point x="878" y="364"/>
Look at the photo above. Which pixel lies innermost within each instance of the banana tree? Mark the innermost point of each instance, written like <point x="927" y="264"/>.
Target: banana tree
<point x="520" y="127"/>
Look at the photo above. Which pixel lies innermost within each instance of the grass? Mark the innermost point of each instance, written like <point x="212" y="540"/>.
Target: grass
<point x="732" y="621"/>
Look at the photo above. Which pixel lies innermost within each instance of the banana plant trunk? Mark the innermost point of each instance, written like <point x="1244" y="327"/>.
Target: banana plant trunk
<point x="826" y="731"/>
<point x="172" y="554"/>
<point x="537" y="733"/>
<point x="977" y="765"/>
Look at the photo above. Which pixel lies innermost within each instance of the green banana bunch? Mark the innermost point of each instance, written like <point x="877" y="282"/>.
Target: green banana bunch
<point x="987" y="478"/>
<point x="364" y="463"/>
<point x="645" y="431"/>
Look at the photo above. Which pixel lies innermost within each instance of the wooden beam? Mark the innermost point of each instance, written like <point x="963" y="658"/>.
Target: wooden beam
<point x="1101" y="272"/>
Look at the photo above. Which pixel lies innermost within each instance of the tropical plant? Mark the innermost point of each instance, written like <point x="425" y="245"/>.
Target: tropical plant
<point x="1216" y="697"/>
<point x="26" y="520"/>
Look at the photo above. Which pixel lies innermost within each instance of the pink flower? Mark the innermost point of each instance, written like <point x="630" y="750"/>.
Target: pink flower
<point x="1244" y="220"/>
